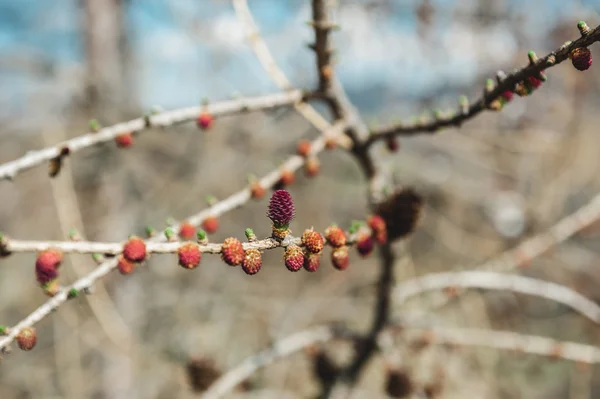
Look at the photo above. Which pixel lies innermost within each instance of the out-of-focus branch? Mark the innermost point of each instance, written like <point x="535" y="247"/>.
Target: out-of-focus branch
<point x="507" y="83"/>
<point x="268" y="62"/>
<point x="497" y="281"/>
<point x="33" y="158"/>
<point x="523" y="254"/>
<point x="509" y="340"/>
<point x="505" y="340"/>
<point x="234" y="201"/>
<point x="278" y="350"/>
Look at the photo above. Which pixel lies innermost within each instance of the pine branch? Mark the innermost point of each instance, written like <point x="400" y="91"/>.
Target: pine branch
<point x="33" y="158"/>
<point x="234" y="201"/>
<point x="497" y="281"/>
<point x="505" y="83"/>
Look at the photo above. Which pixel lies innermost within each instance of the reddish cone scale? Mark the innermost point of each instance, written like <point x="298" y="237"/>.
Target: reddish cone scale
<point x="232" y="251"/>
<point x="303" y="148"/>
<point x="581" y="58"/>
<point x="507" y="95"/>
<point x="534" y="82"/>
<point x="205" y="120"/>
<point x="340" y="258"/>
<point x="312" y="262"/>
<point x="189" y="255"/>
<point x="47" y="264"/>
<point x="134" y="250"/>
<point x="26" y="338"/>
<point x="311" y="167"/>
<point x="187" y="231"/>
<point x="257" y="191"/>
<point x="365" y="245"/>
<point x="335" y="236"/>
<point x="210" y="224"/>
<point x="293" y="258"/>
<point x="313" y="241"/>
<point x="124" y="140"/>
<point x="125" y="267"/>
<point x="252" y="262"/>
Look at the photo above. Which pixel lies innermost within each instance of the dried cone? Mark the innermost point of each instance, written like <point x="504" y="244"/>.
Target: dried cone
<point x="210" y="225"/>
<point x="312" y="262"/>
<point x="134" y="250"/>
<point x="313" y="241"/>
<point x="293" y="258"/>
<point x="398" y="384"/>
<point x="252" y="262"/>
<point x="340" y="258"/>
<point x="364" y="245"/>
<point x="125" y="267"/>
<point x="205" y="120"/>
<point x="281" y="212"/>
<point x="189" y="255"/>
<point x="232" y="251"/>
<point x="47" y="264"/>
<point x="401" y="213"/>
<point x="201" y="374"/>
<point x="124" y="140"/>
<point x="26" y="338"/>
<point x="581" y="58"/>
<point x="187" y="231"/>
<point x="335" y="236"/>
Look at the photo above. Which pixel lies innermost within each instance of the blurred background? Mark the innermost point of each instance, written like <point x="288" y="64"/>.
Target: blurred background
<point x="497" y="180"/>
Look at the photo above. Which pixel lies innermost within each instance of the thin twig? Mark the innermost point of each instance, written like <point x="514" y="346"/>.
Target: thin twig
<point x="268" y="62"/>
<point x="497" y="281"/>
<point x="234" y="201"/>
<point x="10" y="169"/>
<point x="509" y="340"/>
<point x="435" y="335"/>
<point x="507" y="84"/>
<point x="523" y="254"/>
<point x="278" y="350"/>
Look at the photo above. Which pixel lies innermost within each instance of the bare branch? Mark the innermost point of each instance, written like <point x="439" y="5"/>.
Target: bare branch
<point x="508" y="340"/>
<point x="507" y="83"/>
<point x="234" y="201"/>
<point x="497" y="281"/>
<point x="10" y="169"/>
<point x="268" y="62"/>
<point x="278" y="350"/>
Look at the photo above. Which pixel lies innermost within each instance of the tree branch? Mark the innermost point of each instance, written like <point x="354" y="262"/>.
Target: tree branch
<point x="497" y="281"/>
<point x="234" y="201"/>
<point x="508" y="340"/>
<point x="33" y="158"/>
<point x="505" y="84"/>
